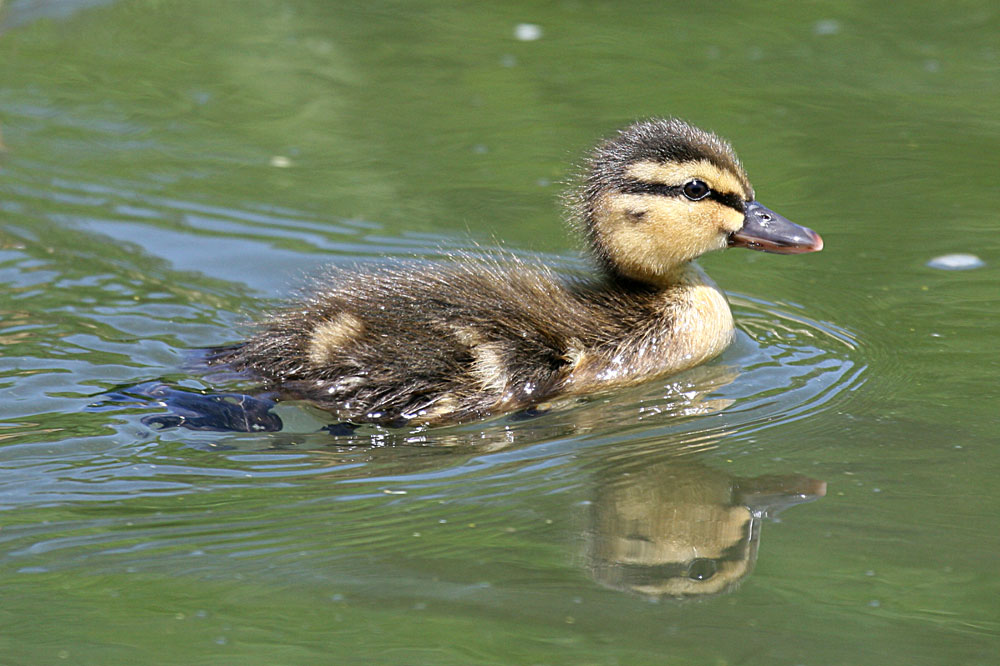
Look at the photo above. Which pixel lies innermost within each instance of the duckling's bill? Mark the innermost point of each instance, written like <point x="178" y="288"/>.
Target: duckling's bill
<point x="765" y="230"/>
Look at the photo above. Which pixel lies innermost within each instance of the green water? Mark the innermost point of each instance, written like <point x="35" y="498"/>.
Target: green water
<point x="173" y="167"/>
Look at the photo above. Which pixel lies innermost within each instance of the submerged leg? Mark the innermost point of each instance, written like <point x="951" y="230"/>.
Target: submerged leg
<point x="195" y="410"/>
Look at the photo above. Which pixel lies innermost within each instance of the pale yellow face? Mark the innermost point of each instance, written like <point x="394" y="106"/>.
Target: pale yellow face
<point x="649" y="235"/>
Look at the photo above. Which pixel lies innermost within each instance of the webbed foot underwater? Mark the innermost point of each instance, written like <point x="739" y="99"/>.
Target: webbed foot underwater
<point x="465" y="339"/>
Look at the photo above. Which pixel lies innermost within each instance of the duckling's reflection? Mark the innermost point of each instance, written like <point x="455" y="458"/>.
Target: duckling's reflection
<point x="661" y="524"/>
<point x="676" y="528"/>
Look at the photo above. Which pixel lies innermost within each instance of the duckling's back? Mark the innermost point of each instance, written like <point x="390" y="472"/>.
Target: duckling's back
<point x="426" y="344"/>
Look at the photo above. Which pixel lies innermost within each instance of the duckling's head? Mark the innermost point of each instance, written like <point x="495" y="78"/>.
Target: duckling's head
<point x="663" y="192"/>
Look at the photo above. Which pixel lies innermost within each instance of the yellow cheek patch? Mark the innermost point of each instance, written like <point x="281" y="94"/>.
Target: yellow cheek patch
<point x="330" y="336"/>
<point x="644" y="248"/>
<point x="731" y="220"/>
<point x="678" y="173"/>
<point x="714" y="217"/>
<point x="673" y="230"/>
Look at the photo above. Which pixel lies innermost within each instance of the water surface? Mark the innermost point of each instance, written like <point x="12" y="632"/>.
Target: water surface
<point x="173" y="168"/>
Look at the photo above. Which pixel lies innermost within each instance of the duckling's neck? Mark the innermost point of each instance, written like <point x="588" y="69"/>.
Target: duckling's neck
<point x="688" y="323"/>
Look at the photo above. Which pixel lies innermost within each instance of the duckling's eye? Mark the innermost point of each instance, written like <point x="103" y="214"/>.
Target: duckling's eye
<point x="696" y="190"/>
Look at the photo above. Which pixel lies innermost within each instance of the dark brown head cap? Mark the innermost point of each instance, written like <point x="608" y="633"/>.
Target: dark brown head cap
<point x="657" y="140"/>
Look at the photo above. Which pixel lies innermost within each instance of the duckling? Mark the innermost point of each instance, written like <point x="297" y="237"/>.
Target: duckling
<point x="413" y="344"/>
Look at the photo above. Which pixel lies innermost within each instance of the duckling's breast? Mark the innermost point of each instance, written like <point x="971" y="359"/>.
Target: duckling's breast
<point x="703" y="325"/>
<point x="694" y="324"/>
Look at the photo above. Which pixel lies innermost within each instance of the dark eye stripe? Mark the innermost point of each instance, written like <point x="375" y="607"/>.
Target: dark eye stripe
<point x="733" y="201"/>
<point x="727" y="199"/>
